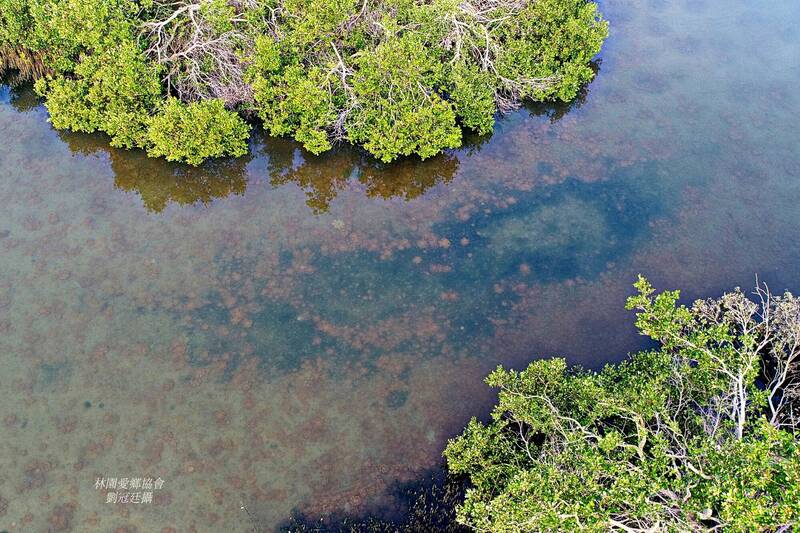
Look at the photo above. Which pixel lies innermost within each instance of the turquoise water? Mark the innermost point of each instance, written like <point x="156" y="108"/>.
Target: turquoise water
<point x="297" y="335"/>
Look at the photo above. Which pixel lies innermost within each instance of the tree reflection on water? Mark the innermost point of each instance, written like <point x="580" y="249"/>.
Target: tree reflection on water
<point x="321" y="178"/>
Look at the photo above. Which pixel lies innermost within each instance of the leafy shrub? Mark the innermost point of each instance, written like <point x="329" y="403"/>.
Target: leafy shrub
<point x="196" y="131"/>
<point x="400" y="110"/>
<point x="111" y="91"/>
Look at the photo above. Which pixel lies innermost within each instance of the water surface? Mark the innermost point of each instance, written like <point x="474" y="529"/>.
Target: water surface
<point x="297" y="335"/>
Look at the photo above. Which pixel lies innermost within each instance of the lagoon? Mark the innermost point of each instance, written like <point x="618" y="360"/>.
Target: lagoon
<point x="300" y="335"/>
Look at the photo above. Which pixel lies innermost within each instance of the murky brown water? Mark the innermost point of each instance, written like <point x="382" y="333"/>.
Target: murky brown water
<point x="298" y="334"/>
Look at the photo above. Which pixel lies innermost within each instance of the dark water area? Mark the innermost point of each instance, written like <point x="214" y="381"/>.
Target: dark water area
<point x="284" y="334"/>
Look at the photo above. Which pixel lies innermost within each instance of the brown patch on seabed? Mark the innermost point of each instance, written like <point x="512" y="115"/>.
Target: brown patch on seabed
<point x="323" y="440"/>
<point x="387" y="335"/>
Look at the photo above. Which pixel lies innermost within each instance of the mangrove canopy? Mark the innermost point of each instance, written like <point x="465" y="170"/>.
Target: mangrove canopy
<point x="700" y="434"/>
<point x="183" y="79"/>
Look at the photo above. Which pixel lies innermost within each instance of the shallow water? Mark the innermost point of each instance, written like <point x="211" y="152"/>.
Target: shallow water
<point x="297" y="335"/>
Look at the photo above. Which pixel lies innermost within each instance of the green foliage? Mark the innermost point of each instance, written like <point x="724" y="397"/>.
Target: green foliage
<point x="472" y="94"/>
<point x="401" y="111"/>
<point x="111" y="91"/>
<point x="197" y="131"/>
<point x="315" y="23"/>
<point x="399" y="77"/>
<point x="295" y="102"/>
<point x="14" y="22"/>
<point x="67" y="30"/>
<point x="654" y="443"/>
<point x="568" y="37"/>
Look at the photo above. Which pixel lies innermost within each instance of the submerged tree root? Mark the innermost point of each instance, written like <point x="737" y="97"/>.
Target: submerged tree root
<point x="28" y="65"/>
